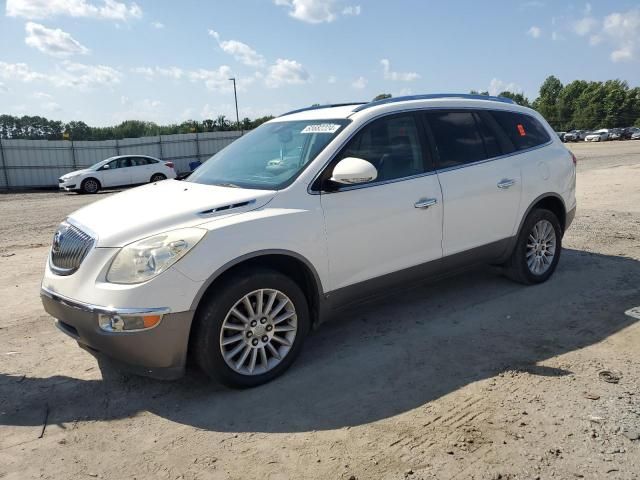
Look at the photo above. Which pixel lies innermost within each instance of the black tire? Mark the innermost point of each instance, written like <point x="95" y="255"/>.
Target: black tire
<point x="90" y="185"/>
<point x="213" y="310"/>
<point x="516" y="267"/>
<point x="157" y="177"/>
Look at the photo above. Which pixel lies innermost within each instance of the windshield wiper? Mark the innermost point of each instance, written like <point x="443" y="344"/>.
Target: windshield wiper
<point x="230" y="185"/>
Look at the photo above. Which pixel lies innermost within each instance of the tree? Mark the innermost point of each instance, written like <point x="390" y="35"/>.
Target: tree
<point x="519" y="98"/>
<point x="547" y="101"/>
<point x="381" y="96"/>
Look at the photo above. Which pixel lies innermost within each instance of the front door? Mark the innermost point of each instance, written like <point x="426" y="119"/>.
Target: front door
<point x="392" y="223"/>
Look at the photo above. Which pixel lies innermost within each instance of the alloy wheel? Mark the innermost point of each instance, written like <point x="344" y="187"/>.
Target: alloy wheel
<point x="258" y="332"/>
<point x="541" y="247"/>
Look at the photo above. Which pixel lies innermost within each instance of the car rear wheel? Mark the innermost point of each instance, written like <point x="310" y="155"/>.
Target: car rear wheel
<point x="251" y="329"/>
<point x="157" y="177"/>
<point x="90" y="185"/>
<point x="537" y="251"/>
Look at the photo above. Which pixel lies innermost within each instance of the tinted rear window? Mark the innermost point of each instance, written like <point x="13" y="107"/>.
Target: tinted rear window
<point x="457" y="138"/>
<point x="523" y="130"/>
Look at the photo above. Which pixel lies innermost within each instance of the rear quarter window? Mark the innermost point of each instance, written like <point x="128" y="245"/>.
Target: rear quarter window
<point x="524" y="131"/>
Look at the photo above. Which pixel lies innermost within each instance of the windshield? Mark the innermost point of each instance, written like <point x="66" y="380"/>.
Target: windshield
<point x="270" y="156"/>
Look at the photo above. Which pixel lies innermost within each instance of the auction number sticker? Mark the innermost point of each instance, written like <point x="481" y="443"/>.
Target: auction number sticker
<point x="321" y="128"/>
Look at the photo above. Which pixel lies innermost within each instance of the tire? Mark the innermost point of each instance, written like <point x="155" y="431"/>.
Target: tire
<point x="519" y="267"/>
<point x="157" y="177"/>
<point x="90" y="185"/>
<point x="215" y="324"/>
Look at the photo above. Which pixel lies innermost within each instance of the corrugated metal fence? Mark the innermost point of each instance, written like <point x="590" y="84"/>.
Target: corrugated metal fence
<point x="39" y="163"/>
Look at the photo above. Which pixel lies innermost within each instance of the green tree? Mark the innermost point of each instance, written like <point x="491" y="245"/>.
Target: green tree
<point x="519" y="98"/>
<point x="547" y="101"/>
<point x="381" y="96"/>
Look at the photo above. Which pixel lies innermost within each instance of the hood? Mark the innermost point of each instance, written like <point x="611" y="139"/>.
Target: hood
<point x="76" y="172"/>
<point x="154" y="208"/>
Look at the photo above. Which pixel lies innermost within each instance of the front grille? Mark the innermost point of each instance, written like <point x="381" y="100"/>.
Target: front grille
<point x="70" y="246"/>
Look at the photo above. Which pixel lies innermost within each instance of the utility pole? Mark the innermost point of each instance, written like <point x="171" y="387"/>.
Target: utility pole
<point x="235" y="94"/>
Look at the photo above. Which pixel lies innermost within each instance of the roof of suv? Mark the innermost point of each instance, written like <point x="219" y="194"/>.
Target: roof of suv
<point x="346" y="110"/>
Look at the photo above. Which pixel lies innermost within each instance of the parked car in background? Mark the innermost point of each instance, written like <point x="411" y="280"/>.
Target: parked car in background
<point x="575" y="135"/>
<point x="120" y="171"/>
<point x="635" y="135"/>
<point x="561" y="135"/>
<point x="629" y="131"/>
<point x="598" y="136"/>
<point x="312" y="211"/>
<point x="616" y="134"/>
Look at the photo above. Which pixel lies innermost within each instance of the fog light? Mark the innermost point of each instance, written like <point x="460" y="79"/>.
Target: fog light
<point x="126" y="323"/>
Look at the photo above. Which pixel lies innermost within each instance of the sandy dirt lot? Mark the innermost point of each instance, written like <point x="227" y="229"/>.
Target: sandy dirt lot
<point x="471" y="377"/>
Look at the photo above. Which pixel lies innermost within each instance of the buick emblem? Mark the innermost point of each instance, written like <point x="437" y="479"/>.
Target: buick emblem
<point x="57" y="240"/>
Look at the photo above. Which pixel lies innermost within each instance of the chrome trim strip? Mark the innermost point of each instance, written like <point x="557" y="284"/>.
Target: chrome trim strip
<point x="431" y="172"/>
<point x="97" y="309"/>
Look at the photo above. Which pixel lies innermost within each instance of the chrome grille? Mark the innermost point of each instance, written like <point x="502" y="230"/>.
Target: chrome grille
<point x="70" y="246"/>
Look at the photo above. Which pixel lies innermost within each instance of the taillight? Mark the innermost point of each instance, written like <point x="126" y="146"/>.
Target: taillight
<point x="573" y="157"/>
<point x="170" y="164"/>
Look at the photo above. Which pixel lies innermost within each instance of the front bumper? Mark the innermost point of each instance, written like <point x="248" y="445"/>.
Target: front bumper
<point x="158" y="352"/>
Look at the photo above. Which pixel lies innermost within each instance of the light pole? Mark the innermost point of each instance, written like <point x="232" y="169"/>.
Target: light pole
<point x="235" y="94"/>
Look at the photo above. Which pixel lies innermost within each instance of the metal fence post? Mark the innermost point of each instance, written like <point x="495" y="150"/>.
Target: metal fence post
<point x="4" y="166"/>
<point x="117" y="147"/>
<point x="197" y="147"/>
<point x="73" y="156"/>
<point x="161" y="154"/>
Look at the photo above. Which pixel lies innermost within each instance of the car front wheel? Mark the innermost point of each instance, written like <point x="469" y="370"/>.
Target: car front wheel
<point x="537" y="251"/>
<point x="251" y="329"/>
<point x="90" y="185"/>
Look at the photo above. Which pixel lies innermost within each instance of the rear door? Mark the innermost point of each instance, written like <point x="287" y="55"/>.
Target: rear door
<point x="481" y="182"/>
<point x="141" y="170"/>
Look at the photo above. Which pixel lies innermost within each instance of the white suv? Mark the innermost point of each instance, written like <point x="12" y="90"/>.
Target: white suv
<point x="117" y="171"/>
<point x="309" y="212"/>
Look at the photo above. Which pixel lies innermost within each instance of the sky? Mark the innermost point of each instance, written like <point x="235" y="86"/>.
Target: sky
<point x="167" y="61"/>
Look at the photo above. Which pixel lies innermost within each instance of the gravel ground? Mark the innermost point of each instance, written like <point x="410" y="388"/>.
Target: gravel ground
<point x="471" y="377"/>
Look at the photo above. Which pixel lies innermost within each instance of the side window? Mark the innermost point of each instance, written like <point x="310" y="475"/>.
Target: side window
<point x="139" y="161"/>
<point x="124" y="162"/>
<point x="495" y="140"/>
<point x="392" y="144"/>
<point x="523" y="130"/>
<point x="456" y="136"/>
<point x="114" y="164"/>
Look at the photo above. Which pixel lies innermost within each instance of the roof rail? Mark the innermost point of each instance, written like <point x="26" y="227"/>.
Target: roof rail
<point x="432" y="96"/>
<point x="318" y="107"/>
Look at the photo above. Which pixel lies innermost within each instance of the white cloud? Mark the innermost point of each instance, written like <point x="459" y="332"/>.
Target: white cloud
<point x="67" y="74"/>
<point x="584" y="26"/>
<point x="51" y="106"/>
<point x="497" y="86"/>
<point x="239" y="50"/>
<point x="286" y="72"/>
<point x="318" y="11"/>
<point x="623" y="30"/>
<point x="397" y="76"/>
<point x="332" y="79"/>
<point x="158" y="25"/>
<point x="218" y="80"/>
<point x="354" y="10"/>
<point x="107" y="10"/>
<point x="56" y="42"/>
<point x="41" y="95"/>
<point x="359" y="83"/>
<point x="19" y="71"/>
<point x="175" y="73"/>
<point x="3" y="88"/>
<point x="534" y="32"/>
<point x="84" y="76"/>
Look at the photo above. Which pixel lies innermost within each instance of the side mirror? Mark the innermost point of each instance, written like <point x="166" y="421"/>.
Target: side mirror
<point x="353" y="171"/>
<point x="106" y="166"/>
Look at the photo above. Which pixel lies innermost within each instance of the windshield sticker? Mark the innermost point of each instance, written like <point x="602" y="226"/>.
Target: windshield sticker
<point x="321" y="128"/>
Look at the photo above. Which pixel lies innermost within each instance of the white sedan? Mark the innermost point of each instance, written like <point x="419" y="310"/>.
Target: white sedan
<point x="117" y="171"/>
<point x="597" y="136"/>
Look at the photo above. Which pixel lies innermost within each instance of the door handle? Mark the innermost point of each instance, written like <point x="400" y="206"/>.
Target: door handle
<point x="425" y="202"/>
<point x="506" y="183"/>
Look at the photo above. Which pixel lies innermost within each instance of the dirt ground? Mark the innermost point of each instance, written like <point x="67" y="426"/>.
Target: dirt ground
<point x="471" y="377"/>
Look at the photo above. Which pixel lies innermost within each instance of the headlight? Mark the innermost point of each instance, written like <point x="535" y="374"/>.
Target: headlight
<point x="146" y="258"/>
